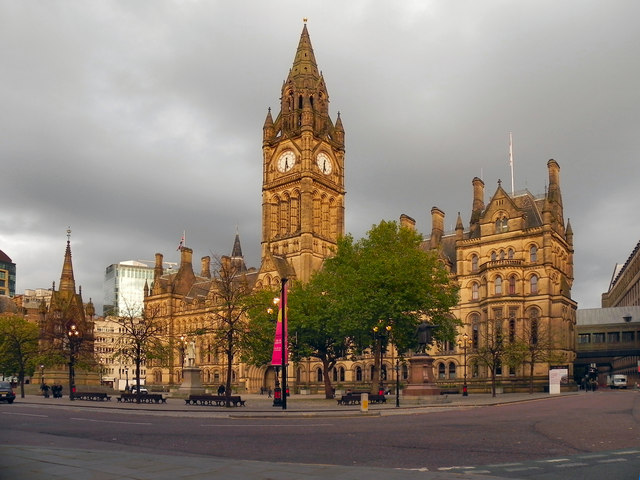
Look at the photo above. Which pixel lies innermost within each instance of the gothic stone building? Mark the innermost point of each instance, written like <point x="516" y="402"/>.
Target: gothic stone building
<point x="513" y="262"/>
<point x="514" y="265"/>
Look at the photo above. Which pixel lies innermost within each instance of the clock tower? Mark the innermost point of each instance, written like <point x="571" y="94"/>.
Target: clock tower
<point x="303" y="170"/>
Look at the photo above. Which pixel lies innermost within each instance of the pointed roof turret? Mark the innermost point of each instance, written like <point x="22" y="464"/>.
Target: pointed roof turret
<point x="67" y="282"/>
<point x="236" y="255"/>
<point x="237" y="249"/>
<point x="304" y="62"/>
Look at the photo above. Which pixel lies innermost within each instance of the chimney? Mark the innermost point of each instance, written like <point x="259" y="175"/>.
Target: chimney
<point x="407" y="222"/>
<point x="205" y="270"/>
<point x="437" y="226"/>
<point x="186" y="256"/>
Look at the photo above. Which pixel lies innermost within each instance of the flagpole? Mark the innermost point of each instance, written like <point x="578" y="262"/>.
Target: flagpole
<point x="511" y="162"/>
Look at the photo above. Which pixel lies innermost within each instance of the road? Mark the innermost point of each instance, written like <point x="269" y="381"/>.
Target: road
<point x="579" y="436"/>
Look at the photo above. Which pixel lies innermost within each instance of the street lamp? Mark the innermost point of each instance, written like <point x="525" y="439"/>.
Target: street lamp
<point x="41" y="374"/>
<point x="126" y="384"/>
<point x="379" y="333"/>
<point x="465" y="342"/>
<point x="74" y="338"/>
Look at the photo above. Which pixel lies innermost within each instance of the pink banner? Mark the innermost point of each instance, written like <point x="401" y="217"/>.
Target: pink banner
<point x="276" y="357"/>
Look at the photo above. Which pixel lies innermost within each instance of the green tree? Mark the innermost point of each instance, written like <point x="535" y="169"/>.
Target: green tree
<point x="387" y="281"/>
<point x="315" y="326"/>
<point x="262" y="313"/>
<point x="18" y="347"/>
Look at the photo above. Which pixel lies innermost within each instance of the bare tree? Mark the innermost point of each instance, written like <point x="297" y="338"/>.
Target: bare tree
<point x="491" y="348"/>
<point x="228" y="319"/>
<point x="140" y="339"/>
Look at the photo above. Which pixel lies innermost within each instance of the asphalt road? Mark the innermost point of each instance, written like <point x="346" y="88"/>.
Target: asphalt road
<point x="585" y="436"/>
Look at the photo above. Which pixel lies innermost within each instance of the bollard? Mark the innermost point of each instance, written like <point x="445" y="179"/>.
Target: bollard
<point x="364" y="402"/>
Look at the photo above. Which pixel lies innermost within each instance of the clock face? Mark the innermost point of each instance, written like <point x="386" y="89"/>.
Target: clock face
<point x="286" y="161"/>
<point x="324" y="163"/>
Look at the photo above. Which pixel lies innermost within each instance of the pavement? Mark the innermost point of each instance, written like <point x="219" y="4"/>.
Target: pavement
<point x="35" y="463"/>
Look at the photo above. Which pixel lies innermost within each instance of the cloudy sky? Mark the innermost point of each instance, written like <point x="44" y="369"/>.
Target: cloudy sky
<point x="131" y="121"/>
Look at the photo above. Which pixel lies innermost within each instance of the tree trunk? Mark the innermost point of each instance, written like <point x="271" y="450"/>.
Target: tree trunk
<point x="227" y="390"/>
<point x="531" y="365"/>
<point x="328" y="388"/>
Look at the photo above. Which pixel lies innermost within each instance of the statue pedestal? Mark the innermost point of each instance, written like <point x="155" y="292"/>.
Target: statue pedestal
<point x="421" y="380"/>
<point x="191" y="383"/>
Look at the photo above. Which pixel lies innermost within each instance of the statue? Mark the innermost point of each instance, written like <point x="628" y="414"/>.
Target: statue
<point x="423" y="332"/>
<point x="191" y="354"/>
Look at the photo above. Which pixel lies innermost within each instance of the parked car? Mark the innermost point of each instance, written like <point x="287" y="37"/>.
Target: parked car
<point x="143" y="389"/>
<point x="6" y="392"/>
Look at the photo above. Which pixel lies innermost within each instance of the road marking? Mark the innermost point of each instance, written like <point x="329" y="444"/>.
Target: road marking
<point x="613" y="460"/>
<point x="110" y="421"/>
<point x="554" y="460"/>
<point x="574" y="464"/>
<point x="628" y="452"/>
<point x="503" y="465"/>
<point x="25" y="414"/>
<point x="253" y="425"/>
<point x="444" y="469"/>
<point x="589" y="457"/>
<point x="521" y="469"/>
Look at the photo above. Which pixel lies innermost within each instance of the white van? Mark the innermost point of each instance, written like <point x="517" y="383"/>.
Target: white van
<point x="617" y="381"/>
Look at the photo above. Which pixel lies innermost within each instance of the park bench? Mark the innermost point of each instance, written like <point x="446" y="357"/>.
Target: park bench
<point x="95" y="396"/>
<point x="217" y="400"/>
<point x="354" y="399"/>
<point x="144" y="398"/>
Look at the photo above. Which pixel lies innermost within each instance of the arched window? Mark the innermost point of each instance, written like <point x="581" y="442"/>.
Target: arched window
<point x="475" y="291"/>
<point x="341" y="374"/>
<point x="533" y="318"/>
<point x="533" y="254"/>
<point x="335" y="374"/>
<point x="452" y="370"/>
<point x="512" y="330"/>
<point x="534" y="284"/>
<point x="493" y="256"/>
<point x="441" y="371"/>
<point x="319" y="376"/>
<point x="475" y="330"/>
<point x="474" y="263"/>
<point x="502" y="254"/>
<point x="475" y="371"/>
<point x="383" y="372"/>
<point x="512" y="285"/>
<point x="510" y="254"/>
<point x="358" y="374"/>
<point x="498" y="285"/>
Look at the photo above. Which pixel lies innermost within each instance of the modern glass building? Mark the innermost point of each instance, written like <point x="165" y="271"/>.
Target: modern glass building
<point x="124" y="288"/>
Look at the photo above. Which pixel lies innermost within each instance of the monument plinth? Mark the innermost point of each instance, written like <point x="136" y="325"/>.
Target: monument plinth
<point x="421" y="379"/>
<point x="191" y="383"/>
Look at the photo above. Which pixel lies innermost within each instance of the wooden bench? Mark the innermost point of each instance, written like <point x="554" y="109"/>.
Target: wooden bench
<point x="217" y="400"/>
<point x="95" y="396"/>
<point x="144" y="398"/>
<point x="354" y="399"/>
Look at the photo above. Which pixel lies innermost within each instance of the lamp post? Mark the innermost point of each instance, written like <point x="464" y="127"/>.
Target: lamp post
<point x="126" y="372"/>
<point x="378" y="333"/>
<point x="41" y="374"/>
<point x="283" y="306"/>
<point x="397" y="368"/>
<point x="74" y="338"/>
<point x="464" y="342"/>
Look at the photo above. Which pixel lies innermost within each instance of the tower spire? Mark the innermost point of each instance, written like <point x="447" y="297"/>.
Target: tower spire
<point x="67" y="282"/>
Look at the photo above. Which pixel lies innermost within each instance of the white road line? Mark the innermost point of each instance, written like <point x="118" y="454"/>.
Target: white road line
<point x="628" y="452"/>
<point x="613" y="460"/>
<point x="503" y="465"/>
<point x="110" y="421"/>
<point x="521" y="469"/>
<point x="268" y="425"/>
<point x="572" y="464"/>
<point x="554" y="460"/>
<point x="25" y="414"/>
